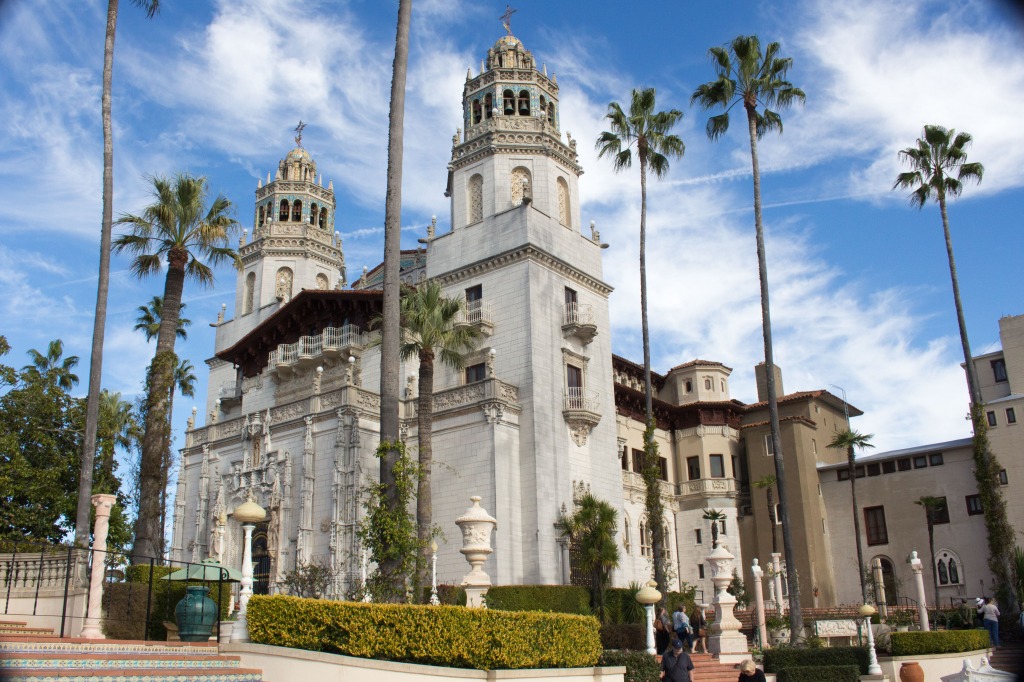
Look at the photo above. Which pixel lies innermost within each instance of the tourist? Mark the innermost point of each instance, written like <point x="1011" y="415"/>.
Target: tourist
<point x="681" y="625"/>
<point x="662" y="631"/>
<point x="676" y="664"/>
<point x="990" y="617"/>
<point x="699" y="625"/>
<point x="750" y="673"/>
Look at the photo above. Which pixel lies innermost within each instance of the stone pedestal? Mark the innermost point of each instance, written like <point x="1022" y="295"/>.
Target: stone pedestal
<point x="726" y="639"/>
<point x="476" y="526"/>
<point x="777" y="580"/>
<point x="103" y="504"/>
<point x="762" y="631"/>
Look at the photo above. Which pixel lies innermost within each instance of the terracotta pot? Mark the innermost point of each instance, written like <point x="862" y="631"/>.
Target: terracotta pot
<point x="911" y="672"/>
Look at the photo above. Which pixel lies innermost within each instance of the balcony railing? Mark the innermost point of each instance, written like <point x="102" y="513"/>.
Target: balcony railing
<point x="581" y="399"/>
<point x="478" y="314"/>
<point x="578" y="320"/>
<point x="330" y="342"/>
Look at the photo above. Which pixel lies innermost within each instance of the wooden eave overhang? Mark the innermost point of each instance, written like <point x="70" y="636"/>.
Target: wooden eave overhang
<point x="631" y="403"/>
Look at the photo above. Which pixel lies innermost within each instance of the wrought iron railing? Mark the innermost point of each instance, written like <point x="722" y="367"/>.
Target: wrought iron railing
<point x="577" y="398"/>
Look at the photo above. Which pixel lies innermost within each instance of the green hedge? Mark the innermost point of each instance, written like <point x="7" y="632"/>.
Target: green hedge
<point x="625" y="636"/>
<point x="776" y="660"/>
<point x="551" y="598"/>
<point x="817" y="673"/>
<point x="937" y="642"/>
<point x="640" y="665"/>
<point x="452" y="636"/>
<point x="124" y="604"/>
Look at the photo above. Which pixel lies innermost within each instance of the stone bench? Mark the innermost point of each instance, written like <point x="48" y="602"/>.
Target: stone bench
<point x="840" y="632"/>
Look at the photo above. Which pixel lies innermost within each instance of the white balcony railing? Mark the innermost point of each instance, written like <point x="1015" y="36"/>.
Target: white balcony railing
<point x="336" y="338"/>
<point x="330" y="341"/>
<point x="310" y="347"/>
<point x="581" y="399"/>
<point x="477" y="312"/>
<point x="579" y="314"/>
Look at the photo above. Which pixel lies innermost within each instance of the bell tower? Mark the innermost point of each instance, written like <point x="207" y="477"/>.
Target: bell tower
<point x="293" y="245"/>
<point x="512" y="149"/>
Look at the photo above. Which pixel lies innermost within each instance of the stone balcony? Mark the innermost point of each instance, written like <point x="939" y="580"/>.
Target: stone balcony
<point x="578" y="320"/>
<point x="332" y="342"/>
<point x="581" y="408"/>
<point x="635" y="481"/>
<point x="477" y="314"/>
<point x="709" y="487"/>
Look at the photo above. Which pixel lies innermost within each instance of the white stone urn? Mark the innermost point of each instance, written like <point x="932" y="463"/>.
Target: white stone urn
<point x="476" y="526"/>
<point x="725" y="633"/>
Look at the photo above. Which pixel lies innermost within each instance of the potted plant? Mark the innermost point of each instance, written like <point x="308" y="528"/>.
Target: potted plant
<point x="901" y="619"/>
<point x="778" y="628"/>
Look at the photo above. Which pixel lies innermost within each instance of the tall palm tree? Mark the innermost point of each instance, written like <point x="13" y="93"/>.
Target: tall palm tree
<point x="767" y="483"/>
<point x="715" y="516"/>
<point x="938" y="169"/>
<point x="758" y="81"/>
<point x="650" y="131"/>
<point x="151" y="314"/>
<point x="932" y="506"/>
<point x="53" y="366"/>
<point x="391" y="334"/>
<point x="179" y="227"/>
<point x="849" y="440"/>
<point x="92" y="405"/>
<point x="118" y="428"/>
<point x="431" y="332"/>
<point x="591" y="530"/>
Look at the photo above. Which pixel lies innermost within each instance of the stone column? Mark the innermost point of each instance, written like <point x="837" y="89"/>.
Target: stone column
<point x="876" y="570"/>
<point x="103" y="504"/>
<point x="240" y="631"/>
<point x="725" y="636"/>
<point x="476" y="526"/>
<point x="777" y="580"/>
<point x="762" y="631"/>
<point x="922" y="605"/>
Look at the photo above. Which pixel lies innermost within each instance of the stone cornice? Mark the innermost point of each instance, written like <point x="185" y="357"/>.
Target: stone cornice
<point x="515" y="142"/>
<point x="527" y="252"/>
<point x="295" y="187"/>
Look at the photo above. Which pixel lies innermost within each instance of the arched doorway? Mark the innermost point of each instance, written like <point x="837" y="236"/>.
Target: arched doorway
<point x="889" y="580"/>
<point x="260" y="560"/>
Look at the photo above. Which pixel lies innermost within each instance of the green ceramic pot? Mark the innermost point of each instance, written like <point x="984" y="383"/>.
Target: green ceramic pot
<point x="195" y="614"/>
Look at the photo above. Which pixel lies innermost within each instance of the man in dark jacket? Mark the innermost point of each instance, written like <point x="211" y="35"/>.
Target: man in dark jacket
<point x="676" y="664"/>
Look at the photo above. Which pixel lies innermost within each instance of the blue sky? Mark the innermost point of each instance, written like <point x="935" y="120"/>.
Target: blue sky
<point x="860" y="284"/>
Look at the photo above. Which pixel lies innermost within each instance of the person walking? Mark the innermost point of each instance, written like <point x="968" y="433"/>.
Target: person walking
<point x="676" y="664"/>
<point x="662" y="631"/>
<point x="699" y="626"/>
<point x="990" y="618"/>
<point x="681" y="625"/>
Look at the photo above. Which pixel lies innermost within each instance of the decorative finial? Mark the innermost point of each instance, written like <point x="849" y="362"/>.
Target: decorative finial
<point x="298" y="133"/>
<point x="506" y="18"/>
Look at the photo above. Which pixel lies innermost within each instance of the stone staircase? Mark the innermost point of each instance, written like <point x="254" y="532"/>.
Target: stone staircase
<point x="29" y="656"/>
<point x="706" y="668"/>
<point x="1009" y="657"/>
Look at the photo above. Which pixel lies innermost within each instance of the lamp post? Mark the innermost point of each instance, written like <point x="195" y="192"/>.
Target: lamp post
<point x="248" y="514"/>
<point x="433" y="574"/>
<point x="867" y="610"/>
<point x="649" y="596"/>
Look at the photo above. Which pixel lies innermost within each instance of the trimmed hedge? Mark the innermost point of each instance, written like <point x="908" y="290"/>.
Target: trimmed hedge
<point x="776" y="660"/>
<point x="938" y="642"/>
<point x="551" y="598"/>
<point x="452" y="636"/>
<point x="640" y="665"/>
<point x="625" y="636"/>
<point x="817" y="673"/>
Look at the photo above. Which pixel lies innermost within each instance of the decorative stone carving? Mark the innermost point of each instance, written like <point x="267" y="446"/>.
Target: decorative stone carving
<point x="283" y="287"/>
<point x="494" y="412"/>
<point x="475" y="198"/>
<point x="520" y="183"/>
<point x="725" y="630"/>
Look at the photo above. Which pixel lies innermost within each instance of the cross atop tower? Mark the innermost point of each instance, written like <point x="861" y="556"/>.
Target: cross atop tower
<point x="298" y="130"/>
<point x="506" y="18"/>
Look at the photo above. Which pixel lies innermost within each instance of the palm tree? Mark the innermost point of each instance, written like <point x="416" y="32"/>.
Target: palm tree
<point x="591" y="530"/>
<point x="52" y="366"/>
<point x="939" y="168"/>
<point x="715" y="516"/>
<point x="767" y="483"/>
<point x="932" y="506"/>
<point x="180" y="228"/>
<point x="759" y="82"/>
<point x="103" y="284"/>
<point x="151" y="314"/>
<point x="391" y="334"/>
<point x="431" y="332"/>
<point x="117" y="428"/>
<point x="651" y="132"/>
<point x="850" y="440"/>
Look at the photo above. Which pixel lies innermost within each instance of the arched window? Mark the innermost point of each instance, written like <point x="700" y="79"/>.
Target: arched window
<point x="689" y="386"/>
<point x="509" y="103"/>
<point x="323" y="218"/>
<point x="947" y="563"/>
<point x="488" y="105"/>
<point x="283" y="286"/>
<point x="475" y="198"/>
<point x="520" y="184"/>
<point x="524" y="103"/>
<point x="542" y="106"/>
<point x="321" y="282"/>
<point x="943" y="573"/>
<point x="563" y="202"/>
<point x="313" y="211"/>
<point x="645" y="540"/>
<point x="250" y="291"/>
<point x="283" y="216"/>
<point x="888" y="579"/>
<point x="551" y="113"/>
<point x="707" y="384"/>
<point x="262" y="216"/>
<point x="296" y="211"/>
<point x="476" y="111"/>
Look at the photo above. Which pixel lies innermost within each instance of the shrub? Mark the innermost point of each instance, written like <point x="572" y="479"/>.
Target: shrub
<point x="640" y="665"/>
<point x="432" y="635"/>
<point x="817" y="673"/>
<point x="551" y="598"/>
<point x="124" y="604"/>
<point x="775" y="660"/>
<point x="627" y="636"/>
<point x="937" y="642"/>
<point x="451" y="595"/>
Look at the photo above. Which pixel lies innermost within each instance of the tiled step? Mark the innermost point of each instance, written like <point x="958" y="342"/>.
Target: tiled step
<point x="147" y="675"/>
<point x="69" y="645"/>
<point x="86" y="661"/>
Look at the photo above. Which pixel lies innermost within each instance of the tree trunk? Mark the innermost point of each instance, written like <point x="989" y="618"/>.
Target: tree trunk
<point x="155" y="436"/>
<point x="852" y="468"/>
<point x="771" y="520"/>
<point x="796" y="621"/>
<point x="424" y="502"/>
<point x="930" y="515"/>
<point x="92" y="409"/>
<point x="390" y="327"/>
